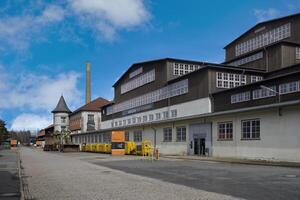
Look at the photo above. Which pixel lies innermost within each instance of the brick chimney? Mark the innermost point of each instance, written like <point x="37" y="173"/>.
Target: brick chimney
<point x="88" y="83"/>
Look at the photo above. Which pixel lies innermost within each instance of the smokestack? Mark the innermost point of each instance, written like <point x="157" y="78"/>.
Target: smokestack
<point x="88" y="83"/>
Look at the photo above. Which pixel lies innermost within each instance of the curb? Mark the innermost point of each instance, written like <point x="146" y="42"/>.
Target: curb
<point x="245" y="162"/>
<point x="20" y="175"/>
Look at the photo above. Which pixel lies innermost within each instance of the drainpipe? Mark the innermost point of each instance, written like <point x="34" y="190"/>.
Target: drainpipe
<point x="267" y="59"/>
<point x="154" y="136"/>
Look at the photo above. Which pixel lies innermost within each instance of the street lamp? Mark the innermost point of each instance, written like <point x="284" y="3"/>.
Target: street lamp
<point x="272" y="90"/>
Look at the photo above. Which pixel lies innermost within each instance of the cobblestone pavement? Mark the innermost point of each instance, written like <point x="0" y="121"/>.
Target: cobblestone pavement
<point x="9" y="175"/>
<point x="72" y="176"/>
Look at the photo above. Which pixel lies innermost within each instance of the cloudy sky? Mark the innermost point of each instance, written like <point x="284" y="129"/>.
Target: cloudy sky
<point x="44" y="44"/>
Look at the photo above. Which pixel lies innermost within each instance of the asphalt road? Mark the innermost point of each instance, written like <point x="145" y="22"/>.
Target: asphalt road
<point x="243" y="181"/>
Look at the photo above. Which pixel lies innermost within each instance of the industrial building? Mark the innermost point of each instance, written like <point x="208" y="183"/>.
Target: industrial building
<point x="246" y="107"/>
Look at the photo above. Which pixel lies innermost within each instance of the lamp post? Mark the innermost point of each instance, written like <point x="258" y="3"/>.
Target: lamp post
<point x="272" y="90"/>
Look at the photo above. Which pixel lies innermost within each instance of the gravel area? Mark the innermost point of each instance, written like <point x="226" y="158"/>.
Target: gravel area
<point x="68" y="176"/>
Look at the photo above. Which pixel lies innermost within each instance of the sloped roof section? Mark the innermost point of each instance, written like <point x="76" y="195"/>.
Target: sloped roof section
<point x="93" y="106"/>
<point x="262" y="23"/>
<point x="61" y="106"/>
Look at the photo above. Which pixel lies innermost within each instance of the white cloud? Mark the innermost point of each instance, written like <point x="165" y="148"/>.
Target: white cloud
<point x="51" y="13"/>
<point x="39" y="92"/>
<point x="104" y="18"/>
<point x="109" y="16"/>
<point x="30" y="122"/>
<point x="263" y="15"/>
<point x="17" y="32"/>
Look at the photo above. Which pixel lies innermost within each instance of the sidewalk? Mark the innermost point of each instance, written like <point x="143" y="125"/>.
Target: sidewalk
<point x="9" y="175"/>
<point x="237" y="161"/>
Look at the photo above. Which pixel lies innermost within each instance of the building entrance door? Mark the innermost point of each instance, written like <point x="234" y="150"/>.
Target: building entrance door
<point x="200" y="139"/>
<point x="199" y="146"/>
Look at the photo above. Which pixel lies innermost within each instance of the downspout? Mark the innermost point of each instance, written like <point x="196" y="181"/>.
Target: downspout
<point x="267" y="59"/>
<point x="154" y="136"/>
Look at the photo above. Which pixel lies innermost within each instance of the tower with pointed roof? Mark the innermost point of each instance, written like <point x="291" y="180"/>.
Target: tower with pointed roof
<point x="61" y="116"/>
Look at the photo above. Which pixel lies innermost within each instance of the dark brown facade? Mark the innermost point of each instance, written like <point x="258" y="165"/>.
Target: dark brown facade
<point x="201" y="83"/>
<point x="222" y="100"/>
<point x="276" y="54"/>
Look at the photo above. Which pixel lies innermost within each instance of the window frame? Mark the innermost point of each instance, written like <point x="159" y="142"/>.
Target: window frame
<point x="250" y="129"/>
<point x="181" y="128"/>
<point x="226" y="138"/>
<point x="297" y="53"/>
<point x="126" y="136"/>
<point x="138" y="136"/>
<point x="167" y="135"/>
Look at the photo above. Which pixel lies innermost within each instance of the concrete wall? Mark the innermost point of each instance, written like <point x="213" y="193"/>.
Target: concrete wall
<point x="84" y="119"/>
<point x="58" y="122"/>
<point x="279" y="136"/>
<point x="189" y="108"/>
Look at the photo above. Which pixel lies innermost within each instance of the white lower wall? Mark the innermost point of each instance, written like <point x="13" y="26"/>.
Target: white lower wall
<point x="167" y="148"/>
<point x="196" y="107"/>
<point x="279" y="136"/>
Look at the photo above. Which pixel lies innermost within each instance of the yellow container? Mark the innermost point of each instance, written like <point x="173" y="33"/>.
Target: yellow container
<point x="130" y="148"/>
<point x="147" y="148"/>
<point x="88" y="147"/>
<point x="101" y="148"/>
<point x="97" y="148"/>
<point x="107" y="148"/>
<point x="94" y="147"/>
<point x="83" y="148"/>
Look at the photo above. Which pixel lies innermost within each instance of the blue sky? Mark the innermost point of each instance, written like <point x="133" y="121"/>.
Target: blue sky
<point x="44" y="44"/>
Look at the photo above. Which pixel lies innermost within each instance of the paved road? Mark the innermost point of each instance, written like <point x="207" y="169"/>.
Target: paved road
<point x="9" y="175"/>
<point x="244" y="181"/>
<point x="72" y="176"/>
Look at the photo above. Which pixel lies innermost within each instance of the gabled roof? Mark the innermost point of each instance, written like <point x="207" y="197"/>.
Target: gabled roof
<point x="174" y="60"/>
<point x="262" y="23"/>
<point x="94" y="106"/>
<point x="61" y="106"/>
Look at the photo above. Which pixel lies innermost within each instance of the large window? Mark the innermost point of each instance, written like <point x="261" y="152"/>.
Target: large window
<point x="228" y="80"/>
<point x="106" y="137"/>
<point x="175" y="89"/>
<point x="63" y="128"/>
<point x="240" y="97"/>
<point x="256" y="78"/>
<point x="264" y="39"/>
<point x="181" y="69"/>
<point x="137" y="136"/>
<point x="90" y="118"/>
<point x="225" y="131"/>
<point x="248" y="59"/>
<point x="264" y="93"/>
<point x="251" y="129"/>
<point x="298" y="53"/>
<point x="126" y="136"/>
<point x="138" y="81"/>
<point x="181" y="134"/>
<point x="63" y="119"/>
<point x="167" y="134"/>
<point x="289" y="87"/>
<point x="136" y="72"/>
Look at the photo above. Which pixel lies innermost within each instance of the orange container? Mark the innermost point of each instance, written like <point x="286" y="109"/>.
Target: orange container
<point x="118" y="143"/>
<point x="13" y="143"/>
